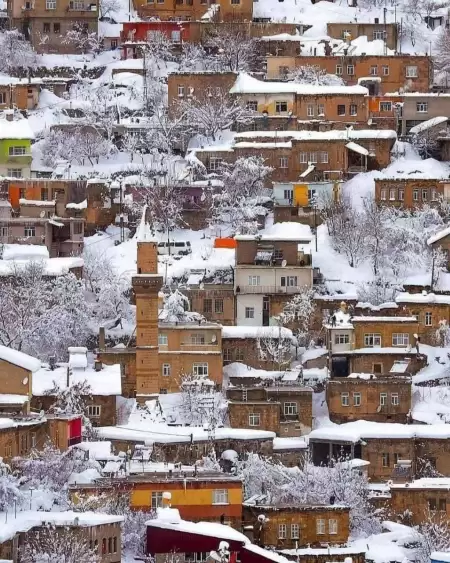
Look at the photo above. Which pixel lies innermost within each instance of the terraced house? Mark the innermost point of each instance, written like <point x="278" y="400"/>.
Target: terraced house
<point x="15" y="145"/>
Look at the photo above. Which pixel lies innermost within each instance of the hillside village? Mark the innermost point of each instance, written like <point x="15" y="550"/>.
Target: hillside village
<point x="224" y="281"/>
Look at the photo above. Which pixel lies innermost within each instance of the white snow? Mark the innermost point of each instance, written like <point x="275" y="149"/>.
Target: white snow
<point x="357" y="148"/>
<point x="25" y="252"/>
<point x="425" y="483"/>
<point x="19" y="359"/>
<point x="81" y="205"/>
<point x="384" y="319"/>
<point x="37" y="202"/>
<point x="440" y="556"/>
<point x="428" y="124"/>
<point x="17" y="129"/>
<point x="438" y="236"/>
<point x="286" y="231"/>
<point x="405" y="297"/>
<point x="13" y="399"/>
<point x="256" y="332"/>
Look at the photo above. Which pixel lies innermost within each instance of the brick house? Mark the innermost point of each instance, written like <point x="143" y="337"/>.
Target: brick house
<point x="387" y="32"/>
<point x="186" y="10"/>
<point x="101" y="531"/>
<point x="369" y="397"/>
<point x="420" y="107"/>
<point x="309" y="155"/>
<point x="409" y="192"/>
<point x="286" y="527"/>
<point x="421" y="500"/>
<point x="19" y="93"/>
<point x="45" y="23"/>
<point x="215" y="301"/>
<point x="442" y="238"/>
<point x="379" y="73"/>
<point x="284" y="409"/>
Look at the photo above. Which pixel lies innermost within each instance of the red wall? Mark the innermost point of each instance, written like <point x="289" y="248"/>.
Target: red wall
<point x="141" y="28"/>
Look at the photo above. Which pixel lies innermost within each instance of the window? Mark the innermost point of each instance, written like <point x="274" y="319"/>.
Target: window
<point x="239" y="354"/>
<point x="345" y="402"/>
<point x="235" y="2"/>
<point x="350" y="70"/>
<point x="14" y="172"/>
<point x="94" y="411"/>
<point x="428" y="319"/>
<point x="411" y="72"/>
<point x="400" y="339"/>
<point x="163" y="391"/>
<point x="401" y="194"/>
<point x="109" y="545"/>
<point x="50" y="5"/>
<point x="332" y="526"/>
<point x="356" y="399"/>
<point x="4" y="231"/>
<point x="339" y="70"/>
<point x="415" y="195"/>
<point x="345" y="34"/>
<point x="383" y="399"/>
<point x="288" y="194"/>
<point x="341" y="109"/>
<point x="220" y="496"/>
<point x="254" y="419"/>
<point x="378" y="34"/>
<point x="295" y="532"/>
<point x="434" y="194"/>
<point x="442" y="505"/>
<point x="207" y="305"/>
<point x="114" y="544"/>
<point x="432" y="504"/>
<point x="218" y="306"/>
<point x="310" y="110"/>
<point x="290" y="408"/>
<point x="22" y="193"/>
<point x="373" y="70"/>
<point x="392" y="194"/>
<point x="249" y="312"/>
<point x="385" y="462"/>
<point x="46" y="27"/>
<point x="320" y="526"/>
<point x="281" y="107"/>
<point x="422" y="107"/>
<point x="289" y="281"/>
<point x="166" y="370"/>
<point x="197" y="339"/>
<point x="341" y="338"/>
<point x="163" y="339"/>
<point x="16" y="151"/>
<point x="30" y="231"/>
<point x="323" y="157"/>
<point x="321" y="110"/>
<point x="372" y="340"/>
<point x="252" y="105"/>
<point x="385" y="106"/>
<point x="180" y="91"/>
<point x="353" y="109"/>
<point x="157" y="499"/>
<point x="227" y="355"/>
<point x="424" y="195"/>
<point x="104" y="546"/>
<point x="303" y="158"/>
<point x="395" y="399"/>
<point x="283" y="162"/>
<point x="385" y="70"/>
<point x="200" y="369"/>
<point x="215" y="163"/>
<point x="254" y="280"/>
<point x="383" y="195"/>
<point x="33" y="439"/>
<point x="2" y="98"/>
<point x="282" y="531"/>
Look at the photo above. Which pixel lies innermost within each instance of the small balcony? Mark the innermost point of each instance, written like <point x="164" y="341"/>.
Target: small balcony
<point x="268" y="289"/>
<point x="19" y="158"/>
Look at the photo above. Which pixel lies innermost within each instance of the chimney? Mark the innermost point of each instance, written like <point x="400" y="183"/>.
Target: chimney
<point x="101" y="338"/>
<point x="9" y="114"/>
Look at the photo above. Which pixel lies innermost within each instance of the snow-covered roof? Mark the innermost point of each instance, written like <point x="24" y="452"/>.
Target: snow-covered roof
<point x="246" y="84"/>
<point x="363" y="429"/>
<point x="341" y="320"/>
<point x="12" y="423"/>
<point x="81" y="205"/>
<point x="360" y="46"/>
<point x="405" y="297"/>
<point x="438" y="236"/>
<point x="440" y="556"/>
<point x="51" y="267"/>
<point x="17" y="129"/>
<point x="25" y="252"/>
<point x="161" y="433"/>
<point x="170" y="519"/>
<point x="357" y="148"/>
<point x="286" y="231"/>
<point x="425" y="483"/>
<point x="36" y="202"/>
<point x="296" y="443"/>
<point x="13" y="399"/>
<point x="405" y="168"/>
<point x="19" y="359"/>
<point x="266" y="554"/>
<point x="28" y="519"/>
<point x="257" y="332"/>
<point x="384" y="319"/>
<point x="144" y="232"/>
<point x="428" y="124"/>
<point x="105" y="382"/>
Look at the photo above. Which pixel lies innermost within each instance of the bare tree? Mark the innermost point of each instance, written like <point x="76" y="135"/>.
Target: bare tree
<point x="233" y="48"/>
<point x="82" y="39"/>
<point x="298" y="312"/>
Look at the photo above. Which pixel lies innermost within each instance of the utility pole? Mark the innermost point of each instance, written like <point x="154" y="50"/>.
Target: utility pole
<point x="121" y="223"/>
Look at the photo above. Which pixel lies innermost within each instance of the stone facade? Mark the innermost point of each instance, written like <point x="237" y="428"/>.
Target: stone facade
<point x="415" y="504"/>
<point x="372" y="31"/>
<point x="185" y="10"/>
<point x="107" y="404"/>
<point x="408" y="193"/>
<point x="215" y="302"/>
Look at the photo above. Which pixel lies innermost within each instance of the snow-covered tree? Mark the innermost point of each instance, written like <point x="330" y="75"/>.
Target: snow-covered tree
<point x="158" y="49"/>
<point x="57" y="545"/>
<point x="298" y="312"/>
<point x="70" y="400"/>
<point x="108" y="8"/>
<point x="200" y="404"/>
<point x="17" y="52"/>
<point x="277" y="352"/>
<point x="42" y="316"/>
<point x="194" y="57"/>
<point x="432" y="535"/>
<point x="82" y="39"/>
<point x="176" y="309"/>
<point x="211" y="115"/>
<point x="313" y="74"/>
<point x="234" y="50"/>
<point x="10" y="492"/>
<point x="442" y="335"/>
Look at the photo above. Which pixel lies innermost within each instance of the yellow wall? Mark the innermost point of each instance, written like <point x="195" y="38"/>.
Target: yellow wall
<point x="188" y="497"/>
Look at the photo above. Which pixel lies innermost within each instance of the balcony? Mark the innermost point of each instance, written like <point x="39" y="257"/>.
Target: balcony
<point x="268" y="289"/>
<point x="188" y="347"/>
<point x="19" y="158"/>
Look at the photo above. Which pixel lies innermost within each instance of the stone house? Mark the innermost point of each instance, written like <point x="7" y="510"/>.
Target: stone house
<point x="420" y="501"/>
<point x="284" y="409"/>
<point x="387" y="32"/>
<point x="380" y="74"/>
<point x="45" y="24"/>
<point x="409" y="192"/>
<point x="101" y="531"/>
<point x="19" y="93"/>
<point x="286" y="527"/>
<point x="442" y="238"/>
<point x="194" y="10"/>
<point x="215" y="301"/>
<point x="369" y="397"/>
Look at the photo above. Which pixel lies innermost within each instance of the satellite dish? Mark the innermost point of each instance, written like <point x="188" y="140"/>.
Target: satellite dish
<point x="283" y="264"/>
<point x="214" y="338"/>
<point x="379" y="408"/>
<point x="25" y="380"/>
<point x="42" y="214"/>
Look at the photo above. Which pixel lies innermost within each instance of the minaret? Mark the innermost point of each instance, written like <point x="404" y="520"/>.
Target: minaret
<point x="146" y="285"/>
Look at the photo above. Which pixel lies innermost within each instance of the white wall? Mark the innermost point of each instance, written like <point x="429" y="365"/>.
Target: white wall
<point x="243" y="301"/>
<point x="271" y="277"/>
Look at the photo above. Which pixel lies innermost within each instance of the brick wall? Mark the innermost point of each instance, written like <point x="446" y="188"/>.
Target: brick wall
<point x="408" y="193"/>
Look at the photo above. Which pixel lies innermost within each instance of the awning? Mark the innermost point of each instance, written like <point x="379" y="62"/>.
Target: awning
<point x="307" y="171"/>
<point x="357" y="148"/>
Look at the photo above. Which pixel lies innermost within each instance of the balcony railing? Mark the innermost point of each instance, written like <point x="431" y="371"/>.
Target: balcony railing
<point x="187" y="346"/>
<point x="289" y="290"/>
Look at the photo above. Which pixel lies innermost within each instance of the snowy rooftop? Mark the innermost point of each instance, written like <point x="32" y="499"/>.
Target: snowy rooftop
<point x="105" y="382"/>
<point x="17" y="129"/>
<point x="359" y="46"/>
<point x="341" y="320"/>
<point x="28" y="519"/>
<point x="439" y="236"/>
<point x="333" y="135"/>
<point x="13" y="399"/>
<point x="282" y="232"/>
<point x="425" y="483"/>
<point x="428" y="124"/>
<point x="384" y="319"/>
<point x="19" y="359"/>
<point x="246" y="84"/>
<point x="423" y="297"/>
<point x="404" y="168"/>
<point x="363" y="429"/>
<point x="22" y="421"/>
<point x="257" y="332"/>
